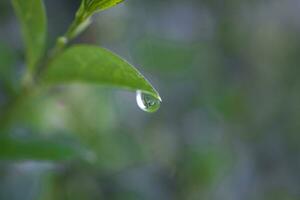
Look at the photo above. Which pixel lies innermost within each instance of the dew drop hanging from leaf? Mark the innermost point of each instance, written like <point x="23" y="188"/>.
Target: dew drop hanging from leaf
<point x="65" y="69"/>
<point x="147" y="102"/>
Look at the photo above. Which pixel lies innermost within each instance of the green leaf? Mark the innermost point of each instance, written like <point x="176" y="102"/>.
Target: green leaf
<point x="98" y="5"/>
<point x="32" y="16"/>
<point x="91" y="64"/>
<point x="35" y="149"/>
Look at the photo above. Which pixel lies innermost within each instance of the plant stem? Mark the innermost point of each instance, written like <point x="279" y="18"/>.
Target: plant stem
<point x="30" y="81"/>
<point x="81" y="21"/>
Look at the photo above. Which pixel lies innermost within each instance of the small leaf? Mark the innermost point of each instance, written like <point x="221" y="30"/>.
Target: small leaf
<point x="90" y="64"/>
<point x="97" y="5"/>
<point x="32" y="16"/>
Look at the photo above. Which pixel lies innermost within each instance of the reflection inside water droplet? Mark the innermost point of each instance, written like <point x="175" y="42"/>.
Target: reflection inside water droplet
<point x="147" y="102"/>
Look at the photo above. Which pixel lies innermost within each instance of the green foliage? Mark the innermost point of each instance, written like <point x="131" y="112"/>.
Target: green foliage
<point x="85" y="64"/>
<point x="35" y="149"/>
<point x="91" y="64"/>
<point x="230" y="128"/>
<point x="92" y="6"/>
<point x="84" y="13"/>
<point x="31" y="14"/>
<point x="79" y="63"/>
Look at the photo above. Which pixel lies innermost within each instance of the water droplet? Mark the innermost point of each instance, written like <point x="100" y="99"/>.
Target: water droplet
<point x="147" y="102"/>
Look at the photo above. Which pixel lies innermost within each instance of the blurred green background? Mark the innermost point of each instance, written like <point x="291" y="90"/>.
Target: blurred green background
<point x="228" y="127"/>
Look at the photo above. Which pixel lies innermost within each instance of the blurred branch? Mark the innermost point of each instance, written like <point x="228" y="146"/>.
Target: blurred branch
<point x="10" y="109"/>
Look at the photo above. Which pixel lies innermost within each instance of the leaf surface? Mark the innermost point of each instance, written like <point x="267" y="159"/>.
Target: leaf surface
<point x="32" y="17"/>
<point x="91" y="64"/>
<point x="98" y="5"/>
